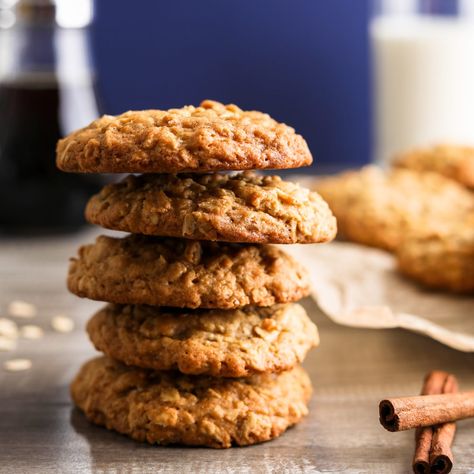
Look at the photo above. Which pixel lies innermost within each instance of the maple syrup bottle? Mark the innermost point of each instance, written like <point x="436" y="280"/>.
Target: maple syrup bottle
<point x="47" y="90"/>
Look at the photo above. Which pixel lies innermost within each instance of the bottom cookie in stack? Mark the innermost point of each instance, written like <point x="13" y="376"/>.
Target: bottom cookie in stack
<point x="258" y="349"/>
<point x="173" y="408"/>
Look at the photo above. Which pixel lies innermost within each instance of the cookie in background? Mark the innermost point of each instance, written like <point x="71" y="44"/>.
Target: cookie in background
<point x="442" y="259"/>
<point x="452" y="161"/>
<point x="379" y="208"/>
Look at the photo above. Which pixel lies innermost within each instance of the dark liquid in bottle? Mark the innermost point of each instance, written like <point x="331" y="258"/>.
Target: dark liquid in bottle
<point x="35" y="196"/>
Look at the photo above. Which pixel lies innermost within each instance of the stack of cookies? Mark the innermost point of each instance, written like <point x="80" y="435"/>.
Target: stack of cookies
<point x="201" y="334"/>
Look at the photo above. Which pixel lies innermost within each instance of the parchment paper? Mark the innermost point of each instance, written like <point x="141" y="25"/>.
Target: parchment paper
<point x="359" y="286"/>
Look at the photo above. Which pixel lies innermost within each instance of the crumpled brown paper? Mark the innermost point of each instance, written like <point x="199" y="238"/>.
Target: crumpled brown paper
<point x="359" y="286"/>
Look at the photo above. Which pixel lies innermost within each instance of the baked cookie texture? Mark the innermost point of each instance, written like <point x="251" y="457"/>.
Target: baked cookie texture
<point x="211" y="137"/>
<point x="455" y="162"/>
<point x="380" y="208"/>
<point x="169" y="408"/>
<point x="220" y="343"/>
<point x="234" y="208"/>
<point x="185" y="273"/>
<point x="442" y="259"/>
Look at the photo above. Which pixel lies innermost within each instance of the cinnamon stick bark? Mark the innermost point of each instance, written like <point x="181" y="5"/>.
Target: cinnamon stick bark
<point x="433" y="445"/>
<point x="399" y="414"/>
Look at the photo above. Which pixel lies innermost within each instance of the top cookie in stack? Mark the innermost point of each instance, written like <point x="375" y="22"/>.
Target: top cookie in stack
<point x="211" y="137"/>
<point x="202" y="245"/>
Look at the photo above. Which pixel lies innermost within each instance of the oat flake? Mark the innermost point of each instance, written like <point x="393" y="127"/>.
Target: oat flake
<point x="8" y="328"/>
<point x="16" y="365"/>
<point x="30" y="331"/>
<point x="22" y="309"/>
<point x="62" y="323"/>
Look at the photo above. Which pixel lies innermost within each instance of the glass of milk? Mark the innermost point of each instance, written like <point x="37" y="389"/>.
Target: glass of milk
<point x="423" y="74"/>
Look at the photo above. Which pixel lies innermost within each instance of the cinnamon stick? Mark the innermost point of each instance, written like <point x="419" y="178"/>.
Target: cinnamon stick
<point x="421" y="459"/>
<point x="433" y="445"/>
<point x="398" y="414"/>
<point x="441" y="457"/>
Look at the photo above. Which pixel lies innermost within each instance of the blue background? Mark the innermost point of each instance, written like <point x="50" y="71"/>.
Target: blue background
<point x="303" y="61"/>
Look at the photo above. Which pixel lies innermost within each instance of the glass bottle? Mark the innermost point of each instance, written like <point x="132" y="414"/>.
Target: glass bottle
<point x="47" y="89"/>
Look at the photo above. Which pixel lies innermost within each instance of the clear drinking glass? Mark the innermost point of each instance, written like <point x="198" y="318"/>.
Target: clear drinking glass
<point x="423" y="74"/>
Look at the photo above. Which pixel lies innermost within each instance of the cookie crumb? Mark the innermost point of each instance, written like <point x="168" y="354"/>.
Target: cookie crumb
<point x="61" y="323"/>
<point x="17" y="365"/>
<point x="30" y="331"/>
<point x="8" y="328"/>
<point x="7" y="344"/>
<point x="22" y="309"/>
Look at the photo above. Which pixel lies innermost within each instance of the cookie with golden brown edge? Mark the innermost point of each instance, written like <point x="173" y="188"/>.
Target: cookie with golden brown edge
<point x="172" y="408"/>
<point x="455" y="162"/>
<point x="185" y="273"/>
<point x="379" y="208"/>
<point x="442" y="259"/>
<point x="211" y="137"/>
<point x="216" y="342"/>
<point x="233" y="208"/>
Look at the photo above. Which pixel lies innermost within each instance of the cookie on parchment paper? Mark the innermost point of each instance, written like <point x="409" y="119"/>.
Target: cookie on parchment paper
<point x="442" y="259"/>
<point x="379" y="208"/>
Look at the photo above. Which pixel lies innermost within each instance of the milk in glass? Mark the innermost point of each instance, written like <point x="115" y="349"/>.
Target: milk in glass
<point x="423" y="81"/>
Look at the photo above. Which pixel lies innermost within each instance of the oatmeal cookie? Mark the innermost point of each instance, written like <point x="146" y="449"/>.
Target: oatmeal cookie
<point x="172" y="408"/>
<point x="185" y="273"/>
<point x="221" y="343"/>
<point x="378" y="209"/>
<point x="442" y="259"/>
<point x="211" y="137"/>
<point x="455" y="162"/>
<point x="240" y="208"/>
